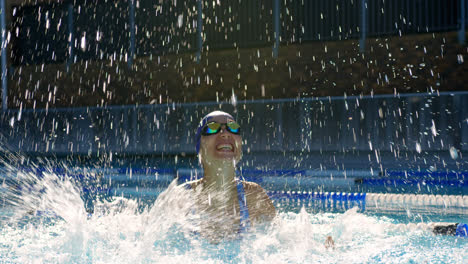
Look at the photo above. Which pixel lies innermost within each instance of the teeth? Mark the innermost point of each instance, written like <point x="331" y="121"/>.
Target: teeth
<point x="224" y="146"/>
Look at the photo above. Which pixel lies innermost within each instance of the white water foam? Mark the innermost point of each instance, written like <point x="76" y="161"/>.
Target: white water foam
<point x="121" y="231"/>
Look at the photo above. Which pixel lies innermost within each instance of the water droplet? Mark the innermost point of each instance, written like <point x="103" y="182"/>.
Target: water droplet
<point x="418" y="147"/>
<point x="83" y="42"/>
<point x="433" y="129"/>
<point x="453" y="153"/>
<point x="233" y="98"/>
<point x="180" y="20"/>
<point x="380" y="112"/>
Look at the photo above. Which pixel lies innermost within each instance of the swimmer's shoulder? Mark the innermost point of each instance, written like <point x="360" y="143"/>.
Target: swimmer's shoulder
<point x="252" y="186"/>
<point x="254" y="190"/>
<point x="260" y="205"/>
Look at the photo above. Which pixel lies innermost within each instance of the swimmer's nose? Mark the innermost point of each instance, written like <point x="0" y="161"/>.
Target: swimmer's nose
<point x="223" y="132"/>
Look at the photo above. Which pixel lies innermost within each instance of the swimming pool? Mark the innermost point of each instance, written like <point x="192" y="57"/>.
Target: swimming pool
<point x="136" y="219"/>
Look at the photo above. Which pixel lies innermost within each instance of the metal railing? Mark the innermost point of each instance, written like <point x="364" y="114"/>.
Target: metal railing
<point x="413" y="122"/>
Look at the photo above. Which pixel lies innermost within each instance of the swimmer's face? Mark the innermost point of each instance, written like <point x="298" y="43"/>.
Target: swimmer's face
<point x="222" y="146"/>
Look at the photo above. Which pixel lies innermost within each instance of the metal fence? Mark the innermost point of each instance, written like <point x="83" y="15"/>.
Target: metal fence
<point x="80" y="29"/>
<point x="410" y="123"/>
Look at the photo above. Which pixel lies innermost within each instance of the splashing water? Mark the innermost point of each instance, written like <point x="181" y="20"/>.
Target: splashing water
<point x="46" y="220"/>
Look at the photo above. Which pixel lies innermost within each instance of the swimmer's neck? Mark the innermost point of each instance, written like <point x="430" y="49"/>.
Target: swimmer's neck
<point x="220" y="176"/>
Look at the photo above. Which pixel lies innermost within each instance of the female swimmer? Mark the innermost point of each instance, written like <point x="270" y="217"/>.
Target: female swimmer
<point x="229" y="205"/>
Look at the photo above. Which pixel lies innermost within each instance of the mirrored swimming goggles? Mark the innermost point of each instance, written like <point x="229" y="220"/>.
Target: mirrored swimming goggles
<point x="214" y="128"/>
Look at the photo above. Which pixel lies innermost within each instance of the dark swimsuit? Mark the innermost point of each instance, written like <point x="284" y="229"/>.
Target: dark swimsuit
<point x="244" y="210"/>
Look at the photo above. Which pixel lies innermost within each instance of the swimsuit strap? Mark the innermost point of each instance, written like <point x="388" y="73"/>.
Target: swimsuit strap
<point x="244" y="210"/>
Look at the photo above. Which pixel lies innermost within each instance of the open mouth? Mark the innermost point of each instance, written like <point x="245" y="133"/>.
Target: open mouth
<point x="224" y="147"/>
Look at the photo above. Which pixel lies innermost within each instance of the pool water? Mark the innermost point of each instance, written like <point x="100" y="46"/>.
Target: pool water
<point x="47" y="221"/>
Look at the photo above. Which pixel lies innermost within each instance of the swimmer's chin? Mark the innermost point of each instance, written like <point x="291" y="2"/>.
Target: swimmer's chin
<point x="226" y="154"/>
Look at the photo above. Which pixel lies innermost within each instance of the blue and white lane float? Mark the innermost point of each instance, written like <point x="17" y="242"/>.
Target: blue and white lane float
<point x="455" y="204"/>
<point x="327" y="200"/>
<point x="457" y="201"/>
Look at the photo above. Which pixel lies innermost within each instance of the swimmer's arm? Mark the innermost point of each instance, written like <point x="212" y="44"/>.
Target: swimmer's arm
<point x="260" y="205"/>
<point x="450" y="229"/>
